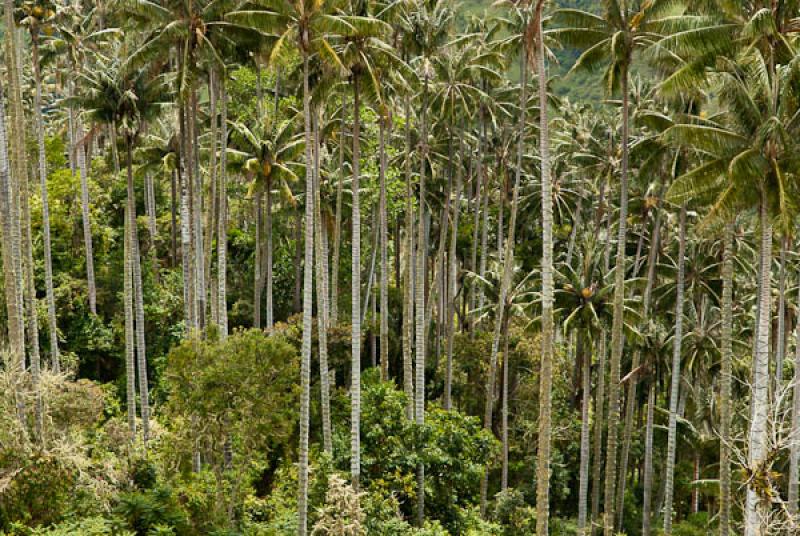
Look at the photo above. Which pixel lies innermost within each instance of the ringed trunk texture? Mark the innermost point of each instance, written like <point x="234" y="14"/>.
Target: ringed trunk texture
<point x="726" y="382"/>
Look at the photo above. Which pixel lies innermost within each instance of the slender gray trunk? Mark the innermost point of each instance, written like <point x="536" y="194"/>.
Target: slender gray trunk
<point x="355" y="381"/>
<point x="726" y="382"/>
<point x="677" y="340"/>
<point x="222" y="232"/>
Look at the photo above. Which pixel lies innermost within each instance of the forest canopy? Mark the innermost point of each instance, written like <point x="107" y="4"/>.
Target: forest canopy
<point x="399" y="267"/>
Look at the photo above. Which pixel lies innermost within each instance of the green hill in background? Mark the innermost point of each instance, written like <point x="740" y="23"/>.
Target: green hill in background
<point x="579" y="86"/>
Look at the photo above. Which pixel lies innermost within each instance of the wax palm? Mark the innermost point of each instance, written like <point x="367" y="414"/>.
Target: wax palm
<point x="749" y="157"/>
<point x="127" y="100"/>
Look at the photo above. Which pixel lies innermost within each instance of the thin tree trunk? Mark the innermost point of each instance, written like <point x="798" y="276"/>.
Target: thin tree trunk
<point x="9" y="210"/>
<point x="270" y="277"/>
<point x="130" y="344"/>
<point x="755" y="509"/>
<point x="257" y="279"/>
<point x="409" y="281"/>
<point x="505" y="284"/>
<point x="453" y="282"/>
<point x="173" y="228"/>
<point x="212" y="215"/>
<point x="585" y="355"/>
<point x="80" y="155"/>
<point x="630" y="406"/>
<point x="726" y="382"/>
<point x="617" y="339"/>
<point x="780" y="342"/>
<point x="337" y="229"/>
<point x="355" y="381"/>
<point x="419" y="282"/>
<point x="222" y="232"/>
<point x="504" y="409"/>
<point x="305" y="351"/>
<point x="321" y="253"/>
<point x="677" y="340"/>
<point x="546" y="368"/>
<point x="138" y="297"/>
<point x="647" y="479"/>
<point x="384" y="238"/>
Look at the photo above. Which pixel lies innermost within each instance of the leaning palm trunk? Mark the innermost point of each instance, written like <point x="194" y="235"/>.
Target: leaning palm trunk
<point x="138" y="298"/>
<point x="355" y="290"/>
<point x="677" y="339"/>
<point x="755" y="509"/>
<point x="222" y="231"/>
<point x="453" y="286"/>
<point x="308" y="283"/>
<point x="726" y="381"/>
<point x="505" y="283"/>
<point x="10" y="248"/>
<point x="546" y="370"/>
<point x="504" y="409"/>
<point x="617" y="341"/>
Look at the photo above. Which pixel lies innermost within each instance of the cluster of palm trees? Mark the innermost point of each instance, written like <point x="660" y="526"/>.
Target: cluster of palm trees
<point x="704" y="157"/>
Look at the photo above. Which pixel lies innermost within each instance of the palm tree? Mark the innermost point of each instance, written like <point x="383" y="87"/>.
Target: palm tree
<point x="12" y="240"/>
<point x="425" y="31"/>
<point x="677" y="341"/>
<point x="38" y="19"/>
<point x="747" y="152"/>
<point x="615" y="38"/>
<point x="361" y="53"/>
<point x="309" y="27"/>
<point x="127" y="100"/>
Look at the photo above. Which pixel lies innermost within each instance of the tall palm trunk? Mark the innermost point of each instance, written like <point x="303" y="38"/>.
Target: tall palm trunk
<point x="212" y="214"/>
<point x="47" y="246"/>
<point x="780" y="339"/>
<point x="384" y="262"/>
<point x="794" y="449"/>
<point x="355" y="303"/>
<point x="546" y="369"/>
<point x="630" y="406"/>
<point x="130" y="344"/>
<point x="80" y="156"/>
<point x="726" y="382"/>
<point x="138" y="296"/>
<point x="10" y="247"/>
<point x="755" y="509"/>
<point x="617" y="340"/>
<point x="268" y="223"/>
<point x="505" y="283"/>
<point x="452" y="279"/>
<point x="504" y="408"/>
<point x="257" y="212"/>
<point x="187" y="223"/>
<point x="677" y="340"/>
<point x="585" y="355"/>
<point x="222" y="231"/>
<point x="477" y="202"/>
<point x="308" y="284"/>
<point x="409" y="281"/>
<point x="419" y="288"/>
<point x="337" y="229"/>
<point x="320" y="251"/>
<point x="647" y="477"/>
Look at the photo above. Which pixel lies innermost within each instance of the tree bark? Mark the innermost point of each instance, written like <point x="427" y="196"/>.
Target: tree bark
<point x="617" y="339"/>
<point x="305" y="350"/>
<point x="546" y="368"/>
<point x="222" y="232"/>
<point x="677" y="340"/>
<point x="755" y="509"/>
<point x="726" y="382"/>
<point x="355" y="303"/>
